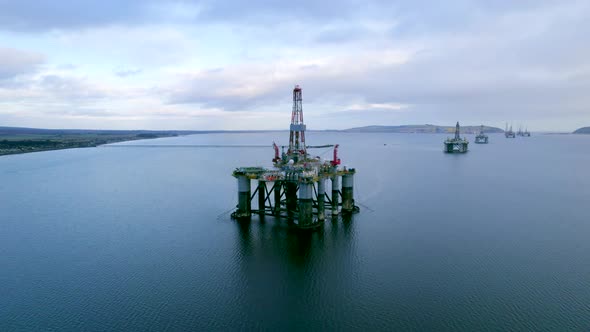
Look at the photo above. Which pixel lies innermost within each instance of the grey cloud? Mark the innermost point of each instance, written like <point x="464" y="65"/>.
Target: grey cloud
<point x="81" y="112"/>
<point x="264" y="11"/>
<point x="504" y="67"/>
<point x="67" y="66"/>
<point x="43" y="88"/>
<point x="203" y="92"/>
<point x="31" y="15"/>
<point x="214" y="70"/>
<point x="309" y="67"/>
<point x="68" y="88"/>
<point x="341" y="34"/>
<point x="16" y="62"/>
<point x="207" y="89"/>
<point x="424" y="17"/>
<point x="416" y="16"/>
<point x="127" y="72"/>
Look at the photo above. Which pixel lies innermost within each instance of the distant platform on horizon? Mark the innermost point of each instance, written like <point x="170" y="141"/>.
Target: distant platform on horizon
<point x="426" y="129"/>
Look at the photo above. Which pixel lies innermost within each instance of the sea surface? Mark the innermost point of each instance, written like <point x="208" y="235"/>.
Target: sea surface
<point x="138" y="237"/>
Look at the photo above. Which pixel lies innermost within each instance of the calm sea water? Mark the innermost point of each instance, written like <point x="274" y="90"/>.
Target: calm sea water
<point x="139" y="239"/>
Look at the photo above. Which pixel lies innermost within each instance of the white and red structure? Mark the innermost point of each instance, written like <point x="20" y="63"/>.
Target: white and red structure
<point x="297" y="181"/>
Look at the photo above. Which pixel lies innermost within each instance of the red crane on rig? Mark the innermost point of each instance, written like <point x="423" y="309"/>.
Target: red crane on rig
<point x="277" y="158"/>
<point x="336" y="160"/>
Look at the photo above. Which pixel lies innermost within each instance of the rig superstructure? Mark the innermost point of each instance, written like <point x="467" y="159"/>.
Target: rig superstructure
<point x="481" y="138"/>
<point x="297" y="181"/>
<point x="456" y="144"/>
<point x="508" y="132"/>
<point x="524" y="133"/>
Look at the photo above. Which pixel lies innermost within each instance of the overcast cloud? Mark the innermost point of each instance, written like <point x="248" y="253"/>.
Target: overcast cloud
<point x="233" y="64"/>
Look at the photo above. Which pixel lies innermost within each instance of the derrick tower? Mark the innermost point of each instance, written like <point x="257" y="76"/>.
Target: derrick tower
<point x="297" y="129"/>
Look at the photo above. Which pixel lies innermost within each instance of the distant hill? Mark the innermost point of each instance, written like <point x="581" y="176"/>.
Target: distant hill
<point x="26" y="140"/>
<point x="583" y="130"/>
<point x="428" y="128"/>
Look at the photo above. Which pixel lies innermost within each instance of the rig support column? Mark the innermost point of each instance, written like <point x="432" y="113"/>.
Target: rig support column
<point x="277" y="191"/>
<point x="244" y="205"/>
<point x="291" y="197"/>
<point x="347" y="193"/>
<point x="261" y="196"/>
<point x="305" y="204"/>
<point x="335" y="193"/>
<point x="321" y="198"/>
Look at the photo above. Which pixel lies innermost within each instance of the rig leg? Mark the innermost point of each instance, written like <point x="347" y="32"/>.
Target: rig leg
<point x="277" y="192"/>
<point x="321" y="198"/>
<point x="291" y="196"/>
<point x="244" y="204"/>
<point x="347" y="193"/>
<point x="335" y="194"/>
<point x="305" y="205"/>
<point x="261" y="196"/>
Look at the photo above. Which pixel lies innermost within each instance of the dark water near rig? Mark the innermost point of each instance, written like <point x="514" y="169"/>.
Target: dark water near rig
<point x="138" y="239"/>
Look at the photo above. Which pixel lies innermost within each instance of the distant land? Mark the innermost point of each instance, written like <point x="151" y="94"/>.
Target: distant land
<point x="16" y="131"/>
<point x="15" y="140"/>
<point x="427" y="128"/>
<point x="23" y="140"/>
<point x="583" y="130"/>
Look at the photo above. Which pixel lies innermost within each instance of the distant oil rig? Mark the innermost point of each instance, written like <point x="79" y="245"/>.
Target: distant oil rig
<point x="508" y="132"/>
<point x="524" y="133"/>
<point x="297" y="181"/>
<point x="481" y="138"/>
<point x="456" y="144"/>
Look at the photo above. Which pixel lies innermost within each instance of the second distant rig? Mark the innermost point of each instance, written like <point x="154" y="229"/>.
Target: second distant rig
<point x="295" y="188"/>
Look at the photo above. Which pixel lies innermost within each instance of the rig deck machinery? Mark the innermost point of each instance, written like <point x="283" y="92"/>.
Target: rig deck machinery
<point x="297" y="181"/>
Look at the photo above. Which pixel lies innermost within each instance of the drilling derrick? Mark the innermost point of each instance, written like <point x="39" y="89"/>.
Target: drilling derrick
<point x="297" y="148"/>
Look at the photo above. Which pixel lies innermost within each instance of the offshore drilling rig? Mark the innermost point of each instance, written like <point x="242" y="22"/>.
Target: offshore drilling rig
<point x="297" y="181"/>
<point x="457" y="144"/>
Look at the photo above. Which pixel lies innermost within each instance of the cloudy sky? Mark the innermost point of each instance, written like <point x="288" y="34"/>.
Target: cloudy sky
<point x="232" y="64"/>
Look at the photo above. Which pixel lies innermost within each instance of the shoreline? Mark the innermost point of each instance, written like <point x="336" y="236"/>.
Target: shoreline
<point x="17" y="144"/>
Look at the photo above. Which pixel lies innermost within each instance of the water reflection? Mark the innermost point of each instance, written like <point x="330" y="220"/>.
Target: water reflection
<point x="269" y="236"/>
<point x="282" y="269"/>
